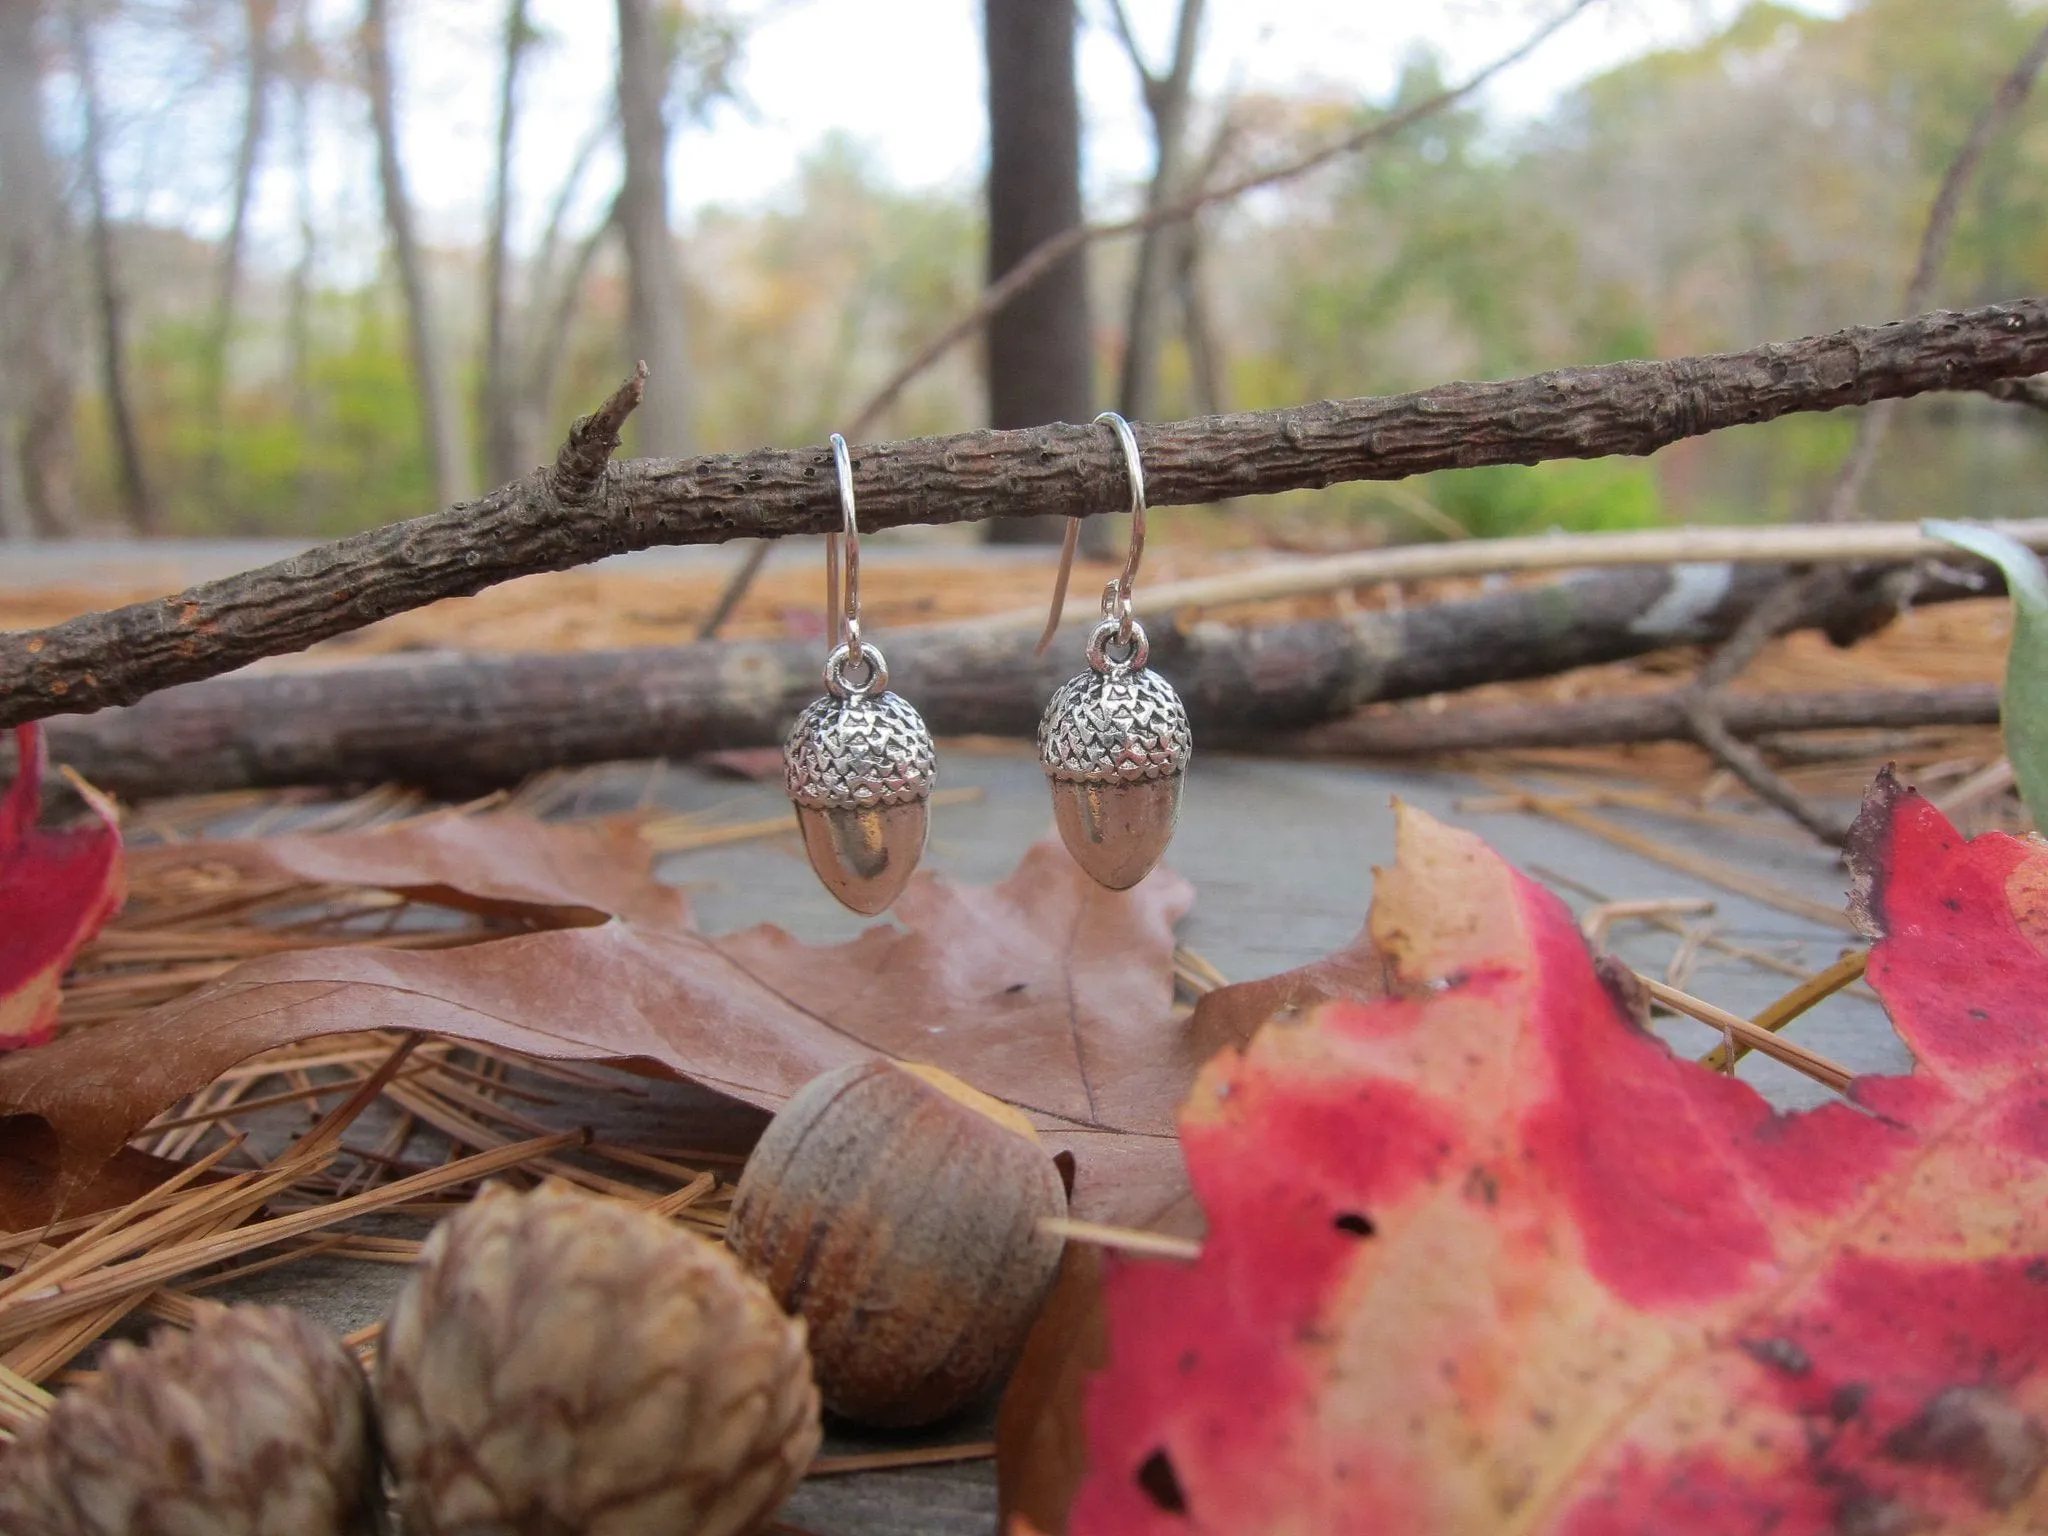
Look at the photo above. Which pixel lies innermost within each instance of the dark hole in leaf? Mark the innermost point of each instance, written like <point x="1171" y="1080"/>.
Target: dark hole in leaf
<point x="1354" y="1222"/>
<point x="1161" y="1486"/>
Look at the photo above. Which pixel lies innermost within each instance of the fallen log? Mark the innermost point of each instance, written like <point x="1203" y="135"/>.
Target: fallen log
<point x="584" y="506"/>
<point x="1637" y="717"/>
<point x="459" y="723"/>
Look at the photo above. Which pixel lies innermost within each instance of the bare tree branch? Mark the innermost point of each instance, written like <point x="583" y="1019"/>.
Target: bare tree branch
<point x="546" y="522"/>
<point x="462" y="723"/>
<point x="1638" y="717"/>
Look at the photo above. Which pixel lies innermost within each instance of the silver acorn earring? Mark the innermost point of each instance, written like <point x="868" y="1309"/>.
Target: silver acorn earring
<point x="1114" y="741"/>
<point x="858" y="763"/>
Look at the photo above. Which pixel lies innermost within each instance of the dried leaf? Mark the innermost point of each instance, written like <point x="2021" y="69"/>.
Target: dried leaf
<point x="542" y="874"/>
<point x="1483" y="1255"/>
<point x="1045" y="991"/>
<point x="56" y="889"/>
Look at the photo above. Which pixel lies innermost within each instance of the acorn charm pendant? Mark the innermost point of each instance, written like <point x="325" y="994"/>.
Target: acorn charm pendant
<point x="859" y="766"/>
<point x="858" y="763"/>
<point x="1114" y="742"/>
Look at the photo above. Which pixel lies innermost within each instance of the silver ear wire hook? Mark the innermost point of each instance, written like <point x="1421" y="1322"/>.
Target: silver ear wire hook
<point x="1117" y="598"/>
<point x="1114" y="740"/>
<point x="842" y="603"/>
<point x="858" y="763"/>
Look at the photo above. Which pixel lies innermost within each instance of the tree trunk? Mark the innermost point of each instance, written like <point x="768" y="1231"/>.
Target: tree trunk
<point x="498" y="388"/>
<point x="660" y="334"/>
<point x="261" y="15"/>
<point x="439" y="423"/>
<point x="1041" y="364"/>
<point x="136" y="502"/>
<point x="1166" y="102"/>
<point x="36" y="315"/>
<point x="299" y="311"/>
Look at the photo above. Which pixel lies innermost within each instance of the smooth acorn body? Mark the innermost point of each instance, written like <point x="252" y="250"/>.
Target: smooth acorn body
<point x="1114" y="742"/>
<point x="859" y="767"/>
<point x="896" y="1211"/>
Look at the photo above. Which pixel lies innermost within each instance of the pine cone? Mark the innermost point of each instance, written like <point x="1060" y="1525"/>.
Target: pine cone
<point x="255" y="1423"/>
<point x="564" y="1363"/>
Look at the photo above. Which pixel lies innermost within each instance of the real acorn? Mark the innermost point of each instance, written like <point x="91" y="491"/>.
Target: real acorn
<point x="253" y="1423"/>
<point x="561" y="1362"/>
<point x="897" y="1210"/>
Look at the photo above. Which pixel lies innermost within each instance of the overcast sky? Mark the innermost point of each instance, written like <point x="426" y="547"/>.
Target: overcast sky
<point x="904" y="79"/>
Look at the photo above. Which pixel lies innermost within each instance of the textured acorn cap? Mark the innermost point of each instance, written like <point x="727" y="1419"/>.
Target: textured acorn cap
<point x="1114" y="728"/>
<point x="255" y="1423"/>
<point x="561" y="1362"/>
<point x="859" y="754"/>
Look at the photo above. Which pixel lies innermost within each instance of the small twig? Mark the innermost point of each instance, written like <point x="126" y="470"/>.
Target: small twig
<point x="736" y="587"/>
<point x="1729" y="877"/>
<point x="579" y="468"/>
<point x="1158" y="1245"/>
<point x="910" y="1456"/>
<point x="2032" y="391"/>
<point x="1797" y="1057"/>
<point x="1844" y="973"/>
<point x="1747" y="764"/>
<point x="1598" y="919"/>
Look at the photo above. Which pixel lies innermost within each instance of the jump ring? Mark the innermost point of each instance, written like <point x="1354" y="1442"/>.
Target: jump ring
<point x="1133" y="660"/>
<point x="870" y="658"/>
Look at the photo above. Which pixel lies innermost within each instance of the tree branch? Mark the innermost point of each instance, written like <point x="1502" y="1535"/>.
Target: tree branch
<point x="1638" y="717"/>
<point x="565" y="517"/>
<point x="459" y="724"/>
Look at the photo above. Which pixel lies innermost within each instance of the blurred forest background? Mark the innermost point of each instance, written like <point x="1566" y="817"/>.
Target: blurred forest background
<point x="164" y="376"/>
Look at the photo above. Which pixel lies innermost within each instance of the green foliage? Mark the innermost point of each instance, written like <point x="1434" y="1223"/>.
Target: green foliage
<point x="1772" y="181"/>
<point x="2023" y="706"/>
<point x="1577" y="495"/>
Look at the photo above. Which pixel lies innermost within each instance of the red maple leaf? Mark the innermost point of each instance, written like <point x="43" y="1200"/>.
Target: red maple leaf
<point x="1485" y="1256"/>
<point x="56" y="890"/>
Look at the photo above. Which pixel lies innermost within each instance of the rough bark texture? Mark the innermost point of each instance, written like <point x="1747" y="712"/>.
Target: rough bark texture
<point x="530" y="525"/>
<point x="110" y="302"/>
<point x="653" y="268"/>
<point x="439" y="423"/>
<point x="1040" y="352"/>
<point x="458" y="723"/>
<point x="1643" y="717"/>
<point x="36" y="315"/>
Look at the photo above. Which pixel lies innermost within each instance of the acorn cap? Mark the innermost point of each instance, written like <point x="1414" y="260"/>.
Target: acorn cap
<point x="1120" y="727"/>
<point x="861" y="752"/>
<point x="564" y="1362"/>
<point x="254" y="1423"/>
